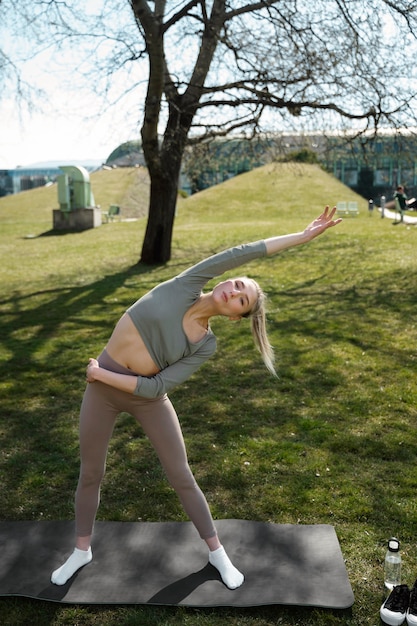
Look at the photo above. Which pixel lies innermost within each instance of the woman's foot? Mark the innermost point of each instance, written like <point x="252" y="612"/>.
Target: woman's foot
<point x="78" y="559"/>
<point x="231" y="576"/>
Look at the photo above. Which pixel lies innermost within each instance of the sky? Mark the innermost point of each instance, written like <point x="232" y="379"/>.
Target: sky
<point x="58" y="135"/>
<point x="54" y="137"/>
<point x="68" y="126"/>
<point x="68" y="122"/>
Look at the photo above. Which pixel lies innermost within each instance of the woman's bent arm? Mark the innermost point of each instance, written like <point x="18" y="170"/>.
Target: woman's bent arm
<point x="123" y="382"/>
<point x="151" y="386"/>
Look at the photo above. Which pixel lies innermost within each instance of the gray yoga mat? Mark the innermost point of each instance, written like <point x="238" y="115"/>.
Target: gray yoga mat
<point x="165" y="563"/>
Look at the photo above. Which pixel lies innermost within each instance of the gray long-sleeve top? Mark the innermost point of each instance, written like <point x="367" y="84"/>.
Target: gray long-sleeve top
<point x="158" y="316"/>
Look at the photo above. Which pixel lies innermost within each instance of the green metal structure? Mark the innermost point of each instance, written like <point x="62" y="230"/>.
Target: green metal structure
<point x="74" y="189"/>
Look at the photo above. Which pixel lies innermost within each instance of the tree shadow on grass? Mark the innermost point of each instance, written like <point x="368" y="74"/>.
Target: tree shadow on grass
<point x="48" y="336"/>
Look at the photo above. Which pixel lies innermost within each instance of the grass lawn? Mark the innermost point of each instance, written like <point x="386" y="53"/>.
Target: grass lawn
<point x="331" y="441"/>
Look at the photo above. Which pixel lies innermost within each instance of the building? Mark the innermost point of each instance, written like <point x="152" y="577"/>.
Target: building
<point x="36" y="175"/>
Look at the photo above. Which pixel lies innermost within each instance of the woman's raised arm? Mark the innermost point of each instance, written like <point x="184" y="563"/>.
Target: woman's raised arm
<point x="316" y="228"/>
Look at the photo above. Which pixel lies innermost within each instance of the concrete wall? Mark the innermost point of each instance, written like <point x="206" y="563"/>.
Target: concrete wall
<point x="77" y="219"/>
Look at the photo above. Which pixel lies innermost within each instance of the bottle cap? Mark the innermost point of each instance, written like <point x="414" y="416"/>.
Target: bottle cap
<point x="393" y="544"/>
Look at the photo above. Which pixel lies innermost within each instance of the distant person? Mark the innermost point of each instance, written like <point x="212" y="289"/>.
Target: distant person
<point x="402" y="202"/>
<point x="401" y="196"/>
<point x="157" y="344"/>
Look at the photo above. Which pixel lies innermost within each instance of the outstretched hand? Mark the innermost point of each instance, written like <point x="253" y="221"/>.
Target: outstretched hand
<point x="316" y="228"/>
<point x="322" y="223"/>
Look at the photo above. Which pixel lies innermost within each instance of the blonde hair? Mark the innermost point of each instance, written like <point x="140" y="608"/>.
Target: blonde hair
<point x="257" y="317"/>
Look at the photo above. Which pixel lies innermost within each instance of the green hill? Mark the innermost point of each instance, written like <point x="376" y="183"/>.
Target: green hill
<point x="289" y="193"/>
<point x="282" y="189"/>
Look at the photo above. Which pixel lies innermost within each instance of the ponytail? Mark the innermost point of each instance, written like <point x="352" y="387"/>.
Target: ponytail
<point x="258" y="326"/>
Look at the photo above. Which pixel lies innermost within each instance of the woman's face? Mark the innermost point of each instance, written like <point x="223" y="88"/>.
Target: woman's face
<point x="235" y="297"/>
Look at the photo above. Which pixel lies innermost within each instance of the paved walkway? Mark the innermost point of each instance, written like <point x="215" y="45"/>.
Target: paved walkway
<point x="408" y="219"/>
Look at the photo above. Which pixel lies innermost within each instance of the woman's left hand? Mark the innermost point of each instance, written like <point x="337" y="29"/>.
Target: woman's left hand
<point x="92" y="368"/>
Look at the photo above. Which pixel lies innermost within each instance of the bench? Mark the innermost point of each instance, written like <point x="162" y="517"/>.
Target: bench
<point x="111" y="214"/>
<point x="348" y="209"/>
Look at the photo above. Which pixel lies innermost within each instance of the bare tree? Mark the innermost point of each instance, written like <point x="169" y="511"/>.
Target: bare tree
<point x="11" y="60"/>
<point x="217" y="67"/>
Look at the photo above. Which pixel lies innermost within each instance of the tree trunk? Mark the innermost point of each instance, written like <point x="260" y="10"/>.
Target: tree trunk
<point x="164" y="165"/>
<point x="156" y="248"/>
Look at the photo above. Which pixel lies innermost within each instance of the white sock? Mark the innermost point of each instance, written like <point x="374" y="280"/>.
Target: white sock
<point x="231" y="576"/>
<point x="78" y="559"/>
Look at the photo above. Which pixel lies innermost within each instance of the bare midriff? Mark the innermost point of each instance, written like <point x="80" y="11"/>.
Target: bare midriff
<point x="127" y="348"/>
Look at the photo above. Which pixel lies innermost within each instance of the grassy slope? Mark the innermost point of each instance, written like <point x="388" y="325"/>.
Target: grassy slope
<point x="331" y="441"/>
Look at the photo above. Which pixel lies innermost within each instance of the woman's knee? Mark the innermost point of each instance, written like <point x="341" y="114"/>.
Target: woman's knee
<point x="90" y="477"/>
<point x="181" y="478"/>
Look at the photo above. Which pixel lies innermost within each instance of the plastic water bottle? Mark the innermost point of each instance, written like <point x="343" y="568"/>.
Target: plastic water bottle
<point x="392" y="567"/>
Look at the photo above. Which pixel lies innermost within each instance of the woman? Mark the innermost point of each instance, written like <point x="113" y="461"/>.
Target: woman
<point x="157" y="344"/>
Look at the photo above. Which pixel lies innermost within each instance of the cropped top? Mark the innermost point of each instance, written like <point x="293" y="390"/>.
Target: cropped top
<point x="158" y="317"/>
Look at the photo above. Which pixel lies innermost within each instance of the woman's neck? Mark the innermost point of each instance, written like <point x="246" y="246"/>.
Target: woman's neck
<point x="201" y="311"/>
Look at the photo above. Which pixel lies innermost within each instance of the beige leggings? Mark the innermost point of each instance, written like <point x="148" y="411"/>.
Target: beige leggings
<point x="100" y="407"/>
